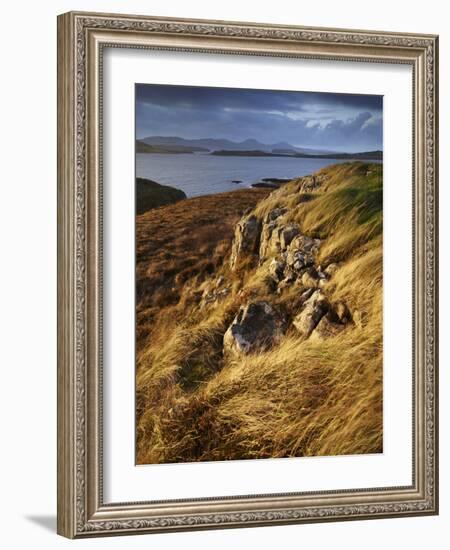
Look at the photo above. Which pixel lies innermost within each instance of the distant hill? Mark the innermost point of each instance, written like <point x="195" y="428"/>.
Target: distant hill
<point x="150" y="194"/>
<point x="252" y="153"/>
<point x="284" y="151"/>
<point x="142" y="147"/>
<point x="212" y="144"/>
<point x="365" y="155"/>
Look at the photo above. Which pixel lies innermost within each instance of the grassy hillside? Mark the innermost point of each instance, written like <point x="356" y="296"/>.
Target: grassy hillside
<point x="299" y="394"/>
<point x="150" y="194"/>
<point x="177" y="248"/>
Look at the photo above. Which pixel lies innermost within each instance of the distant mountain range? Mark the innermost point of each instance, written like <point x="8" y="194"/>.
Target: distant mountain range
<point x="364" y="155"/>
<point x="142" y="147"/>
<point x="210" y="144"/>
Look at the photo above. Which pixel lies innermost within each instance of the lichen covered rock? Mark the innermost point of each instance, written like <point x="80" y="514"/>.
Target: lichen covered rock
<point x="256" y="327"/>
<point x="246" y="239"/>
<point x="314" y="308"/>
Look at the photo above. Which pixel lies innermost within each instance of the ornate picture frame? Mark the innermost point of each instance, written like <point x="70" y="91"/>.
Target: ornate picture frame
<point x="82" y="38"/>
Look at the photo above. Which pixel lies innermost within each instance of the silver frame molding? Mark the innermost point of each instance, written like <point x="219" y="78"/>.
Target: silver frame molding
<point x="81" y="39"/>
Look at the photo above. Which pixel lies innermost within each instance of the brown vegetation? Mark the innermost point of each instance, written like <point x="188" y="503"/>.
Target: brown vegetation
<point x="177" y="246"/>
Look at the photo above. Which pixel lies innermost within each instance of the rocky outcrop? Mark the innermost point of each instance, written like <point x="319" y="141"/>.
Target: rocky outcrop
<point x="318" y="318"/>
<point x="276" y="237"/>
<point x="256" y="327"/>
<point x="293" y="257"/>
<point x="246" y="239"/>
<point x="327" y="327"/>
<point x="288" y="258"/>
<point x="311" y="183"/>
<point x="314" y="308"/>
<point x="276" y="269"/>
<point x="270" y="224"/>
<point x="302" y="252"/>
<point x="310" y="278"/>
<point x="150" y="194"/>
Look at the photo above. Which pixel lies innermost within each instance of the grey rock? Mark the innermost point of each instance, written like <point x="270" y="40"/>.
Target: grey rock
<point x="311" y="183"/>
<point x="286" y="234"/>
<point x="276" y="236"/>
<point x="310" y="278"/>
<point x="314" y="308"/>
<point x="246" y="239"/>
<point x="342" y="312"/>
<point x="256" y="327"/>
<point x="322" y="283"/>
<point x="302" y="251"/>
<point x="305" y="296"/>
<point x="274" y="214"/>
<point x="265" y="247"/>
<point x="290" y="274"/>
<point x="276" y="269"/>
<point x="327" y="328"/>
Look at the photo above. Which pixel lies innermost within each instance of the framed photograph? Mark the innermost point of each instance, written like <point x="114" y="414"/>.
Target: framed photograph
<point x="247" y="277"/>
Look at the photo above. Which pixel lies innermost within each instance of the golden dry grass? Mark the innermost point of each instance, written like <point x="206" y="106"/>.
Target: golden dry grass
<point x="178" y="246"/>
<point x="300" y="398"/>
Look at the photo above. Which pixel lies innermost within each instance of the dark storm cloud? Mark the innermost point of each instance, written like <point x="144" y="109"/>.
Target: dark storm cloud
<point x="338" y="121"/>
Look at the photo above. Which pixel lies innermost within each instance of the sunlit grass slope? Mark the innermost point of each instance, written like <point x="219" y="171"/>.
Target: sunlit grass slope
<point x="298" y="398"/>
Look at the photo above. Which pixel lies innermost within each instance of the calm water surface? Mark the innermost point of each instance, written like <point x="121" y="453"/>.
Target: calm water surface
<point x="203" y="174"/>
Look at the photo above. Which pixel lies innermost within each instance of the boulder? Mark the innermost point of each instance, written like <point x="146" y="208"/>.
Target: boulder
<point x="286" y="234"/>
<point x="275" y="237"/>
<point x="327" y="328"/>
<point x="276" y="269"/>
<point x="311" y="183"/>
<point x="296" y="259"/>
<point x="322" y="283"/>
<point x="290" y="275"/>
<point x="265" y="247"/>
<point x="274" y="214"/>
<point x="314" y="308"/>
<point x="256" y="327"/>
<point x="282" y="285"/>
<point x="342" y="312"/>
<point x="246" y="239"/>
<point x="301" y="252"/>
<point x="306" y="295"/>
<point x="269" y="224"/>
<point x="310" y="278"/>
<point x="305" y="244"/>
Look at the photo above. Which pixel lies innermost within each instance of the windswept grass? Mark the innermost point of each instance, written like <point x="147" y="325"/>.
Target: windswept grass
<point x="177" y="247"/>
<point x="300" y="398"/>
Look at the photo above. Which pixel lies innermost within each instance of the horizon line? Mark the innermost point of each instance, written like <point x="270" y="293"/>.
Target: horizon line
<point x="324" y="148"/>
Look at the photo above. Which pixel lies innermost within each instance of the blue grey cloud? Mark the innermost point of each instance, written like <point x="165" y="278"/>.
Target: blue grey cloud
<point x="309" y="119"/>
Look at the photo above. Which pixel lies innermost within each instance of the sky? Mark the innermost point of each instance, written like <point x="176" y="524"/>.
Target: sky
<point x="340" y="122"/>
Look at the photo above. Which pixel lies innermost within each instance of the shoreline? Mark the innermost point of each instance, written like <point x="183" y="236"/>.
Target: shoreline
<point x="236" y="183"/>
